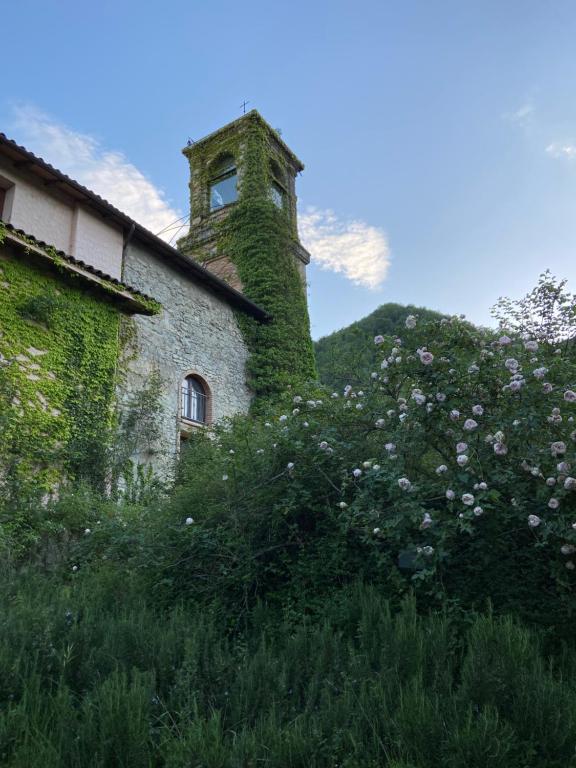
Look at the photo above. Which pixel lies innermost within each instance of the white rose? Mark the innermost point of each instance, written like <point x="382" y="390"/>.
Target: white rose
<point x="426" y="521"/>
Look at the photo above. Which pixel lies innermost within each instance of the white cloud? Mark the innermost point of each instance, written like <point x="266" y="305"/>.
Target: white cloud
<point x="522" y="116"/>
<point x="354" y="248"/>
<point x="560" y="149"/>
<point x="105" y="172"/>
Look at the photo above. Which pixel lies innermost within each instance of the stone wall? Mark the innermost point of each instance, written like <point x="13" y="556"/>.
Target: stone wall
<point x="196" y="332"/>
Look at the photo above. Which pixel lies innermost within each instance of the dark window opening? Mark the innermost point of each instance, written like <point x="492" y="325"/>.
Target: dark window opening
<point x="6" y="197"/>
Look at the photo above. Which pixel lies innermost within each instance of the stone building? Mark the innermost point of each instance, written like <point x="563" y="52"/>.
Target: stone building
<point x="179" y="309"/>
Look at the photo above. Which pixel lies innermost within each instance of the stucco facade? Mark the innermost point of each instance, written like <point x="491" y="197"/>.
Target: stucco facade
<point x="58" y="220"/>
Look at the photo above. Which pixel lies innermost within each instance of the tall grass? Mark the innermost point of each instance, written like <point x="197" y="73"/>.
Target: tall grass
<point x="92" y="675"/>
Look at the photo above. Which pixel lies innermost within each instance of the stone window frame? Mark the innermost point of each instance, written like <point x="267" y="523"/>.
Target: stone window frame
<point x="187" y="424"/>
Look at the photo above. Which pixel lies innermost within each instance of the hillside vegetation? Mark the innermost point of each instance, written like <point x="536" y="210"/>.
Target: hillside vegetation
<point x="382" y="575"/>
<point x="348" y="356"/>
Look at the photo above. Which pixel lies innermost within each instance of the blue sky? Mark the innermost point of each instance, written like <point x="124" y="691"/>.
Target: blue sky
<point x="439" y="136"/>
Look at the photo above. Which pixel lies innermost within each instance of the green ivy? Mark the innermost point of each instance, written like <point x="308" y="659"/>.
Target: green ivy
<point x="147" y="304"/>
<point x="58" y="351"/>
<point x="259" y="239"/>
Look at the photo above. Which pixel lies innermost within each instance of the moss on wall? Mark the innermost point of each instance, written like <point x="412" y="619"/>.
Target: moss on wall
<point x="58" y="354"/>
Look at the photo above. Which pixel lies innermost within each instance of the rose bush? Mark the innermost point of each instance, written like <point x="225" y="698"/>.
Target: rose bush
<point x="452" y="472"/>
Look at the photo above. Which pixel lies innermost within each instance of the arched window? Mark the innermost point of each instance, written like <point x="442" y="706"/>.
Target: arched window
<point x="194" y="400"/>
<point x="223" y="188"/>
<point x="277" y="185"/>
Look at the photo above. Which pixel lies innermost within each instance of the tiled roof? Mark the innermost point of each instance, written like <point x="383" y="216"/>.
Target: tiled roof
<point x="23" y="158"/>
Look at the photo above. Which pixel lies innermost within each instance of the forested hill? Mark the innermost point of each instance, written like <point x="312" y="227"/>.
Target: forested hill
<point x="348" y="356"/>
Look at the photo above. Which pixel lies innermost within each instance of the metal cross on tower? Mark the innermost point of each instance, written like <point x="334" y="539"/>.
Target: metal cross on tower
<point x="243" y="105"/>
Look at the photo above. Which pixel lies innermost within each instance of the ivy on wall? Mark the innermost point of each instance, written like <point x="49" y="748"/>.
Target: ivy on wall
<point x="258" y="237"/>
<point x="58" y="355"/>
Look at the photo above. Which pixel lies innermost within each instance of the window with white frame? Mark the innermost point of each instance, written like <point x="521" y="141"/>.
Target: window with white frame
<point x="194" y="403"/>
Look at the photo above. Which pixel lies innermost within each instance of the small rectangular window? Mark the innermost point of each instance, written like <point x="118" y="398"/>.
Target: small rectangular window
<point x="2" y="202"/>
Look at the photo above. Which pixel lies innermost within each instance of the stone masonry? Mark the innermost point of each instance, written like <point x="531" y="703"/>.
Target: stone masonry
<point x="196" y="332"/>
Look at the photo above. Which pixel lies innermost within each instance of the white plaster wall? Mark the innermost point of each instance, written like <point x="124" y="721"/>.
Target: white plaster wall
<point x="38" y="213"/>
<point x="98" y="243"/>
<point x="61" y="223"/>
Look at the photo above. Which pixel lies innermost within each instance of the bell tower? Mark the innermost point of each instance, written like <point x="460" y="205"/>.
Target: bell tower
<point x="243" y="228"/>
<point x="223" y="173"/>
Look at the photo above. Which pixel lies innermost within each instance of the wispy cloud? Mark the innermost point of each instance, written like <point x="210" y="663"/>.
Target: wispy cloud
<point x="563" y="150"/>
<point x="354" y="248"/>
<point x="521" y="116"/>
<point x="108" y="173"/>
<point x="524" y="118"/>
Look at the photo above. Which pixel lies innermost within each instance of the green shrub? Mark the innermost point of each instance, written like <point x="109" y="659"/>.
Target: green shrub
<point x="450" y="473"/>
<point x="308" y="594"/>
<point x="92" y="674"/>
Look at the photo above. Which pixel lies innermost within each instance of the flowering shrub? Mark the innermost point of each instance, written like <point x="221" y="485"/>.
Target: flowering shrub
<point x="452" y="471"/>
<point x="348" y="356"/>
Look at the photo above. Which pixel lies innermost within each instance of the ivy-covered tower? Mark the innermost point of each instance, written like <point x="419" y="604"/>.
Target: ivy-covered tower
<point x="243" y="227"/>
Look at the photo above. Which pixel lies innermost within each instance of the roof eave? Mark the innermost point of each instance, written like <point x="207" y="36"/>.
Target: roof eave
<point x="131" y="302"/>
